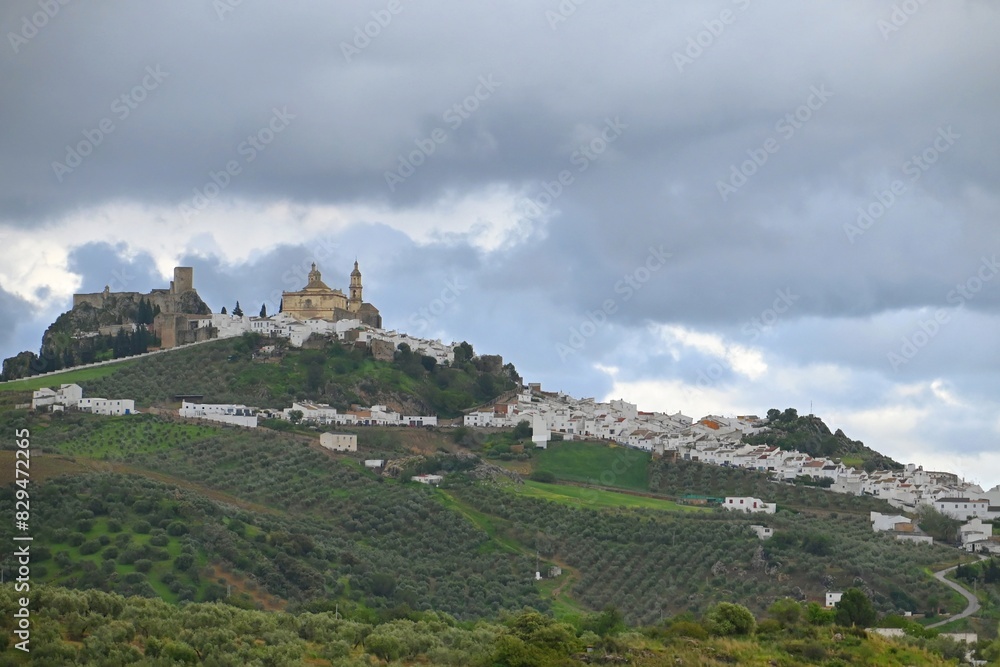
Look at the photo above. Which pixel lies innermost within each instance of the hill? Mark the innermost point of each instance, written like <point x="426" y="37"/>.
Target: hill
<point x="234" y="370"/>
<point x="790" y="431"/>
<point x="76" y="337"/>
<point x="157" y="507"/>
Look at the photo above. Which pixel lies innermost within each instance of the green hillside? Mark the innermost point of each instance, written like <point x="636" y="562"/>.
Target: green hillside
<point x="235" y="371"/>
<point x="152" y="507"/>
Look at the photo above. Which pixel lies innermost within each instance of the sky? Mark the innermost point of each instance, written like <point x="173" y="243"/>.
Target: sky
<point x="717" y="207"/>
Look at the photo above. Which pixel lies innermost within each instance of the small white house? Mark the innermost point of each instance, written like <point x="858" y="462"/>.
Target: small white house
<point x="763" y="532"/>
<point x="67" y="396"/>
<point x="339" y="442"/>
<point x="104" y="406"/>
<point x="419" y="420"/>
<point x="374" y="464"/>
<point x="748" y="504"/>
<point x="975" y="531"/>
<point x="833" y="598"/>
<point x="884" y="522"/>
<point x="238" y="415"/>
<point x="433" y="480"/>
<point x="540" y="434"/>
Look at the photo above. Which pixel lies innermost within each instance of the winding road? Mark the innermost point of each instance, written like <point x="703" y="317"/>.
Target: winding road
<point x="973" y="602"/>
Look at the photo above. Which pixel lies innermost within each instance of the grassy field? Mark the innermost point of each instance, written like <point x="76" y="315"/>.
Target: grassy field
<point x="596" y="463"/>
<point x="577" y="496"/>
<point x="68" y="377"/>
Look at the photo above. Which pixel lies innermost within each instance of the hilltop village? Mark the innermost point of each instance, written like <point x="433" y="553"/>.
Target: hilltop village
<point x="718" y="440"/>
<point x="317" y="313"/>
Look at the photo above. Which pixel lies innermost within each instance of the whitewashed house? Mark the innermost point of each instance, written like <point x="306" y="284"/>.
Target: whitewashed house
<point x="763" y="532"/>
<point x="224" y="413"/>
<point x="67" y="396"/>
<point x="887" y="522"/>
<point x="540" y="434"/>
<point x="748" y="504"/>
<point x="104" y="406"/>
<point x="433" y="480"/>
<point x="419" y="420"/>
<point x="339" y="442"/>
<point x="962" y="508"/>
<point x="975" y="531"/>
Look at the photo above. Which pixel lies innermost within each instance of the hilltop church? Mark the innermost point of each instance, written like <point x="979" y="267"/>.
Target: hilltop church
<point x="317" y="300"/>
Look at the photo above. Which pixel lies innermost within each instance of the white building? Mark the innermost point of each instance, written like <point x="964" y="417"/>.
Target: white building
<point x="238" y="415"/>
<point x="419" y="420"/>
<point x="884" y="522"/>
<point x="975" y="531"/>
<point x="67" y="396"/>
<point x="763" y="532"/>
<point x="962" y="508"/>
<point x="833" y="598"/>
<point x="433" y="480"/>
<point x="748" y="504"/>
<point x="540" y="434"/>
<point x="103" y="406"/>
<point x="319" y="413"/>
<point x="339" y="442"/>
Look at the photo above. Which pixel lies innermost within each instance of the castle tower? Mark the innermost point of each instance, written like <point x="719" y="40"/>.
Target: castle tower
<point x="354" y="302"/>
<point x="183" y="279"/>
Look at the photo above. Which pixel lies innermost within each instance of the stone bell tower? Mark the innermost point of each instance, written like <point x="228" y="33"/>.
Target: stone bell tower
<point x="354" y="302"/>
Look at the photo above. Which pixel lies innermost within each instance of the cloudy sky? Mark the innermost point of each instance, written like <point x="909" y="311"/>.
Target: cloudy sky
<point x="713" y="206"/>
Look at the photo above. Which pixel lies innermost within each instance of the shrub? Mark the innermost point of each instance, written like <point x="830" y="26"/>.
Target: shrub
<point x="726" y="619"/>
<point x="90" y="547"/>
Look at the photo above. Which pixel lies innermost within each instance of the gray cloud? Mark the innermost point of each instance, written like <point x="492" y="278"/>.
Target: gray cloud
<point x="793" y="218"/>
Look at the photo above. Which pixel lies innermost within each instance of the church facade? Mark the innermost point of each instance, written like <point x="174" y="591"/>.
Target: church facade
<point x="319" y="301"/>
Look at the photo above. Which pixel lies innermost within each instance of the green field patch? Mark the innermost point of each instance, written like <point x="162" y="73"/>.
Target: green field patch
<point x="584" y="497"/>
<point x="596" y="463"/>
<point x="66" y="377"/>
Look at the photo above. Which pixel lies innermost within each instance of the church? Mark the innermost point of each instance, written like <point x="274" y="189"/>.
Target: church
<point x="317" y="300"/>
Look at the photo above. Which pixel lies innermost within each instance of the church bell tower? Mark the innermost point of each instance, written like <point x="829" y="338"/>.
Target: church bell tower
<point x="354" y="302"/>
